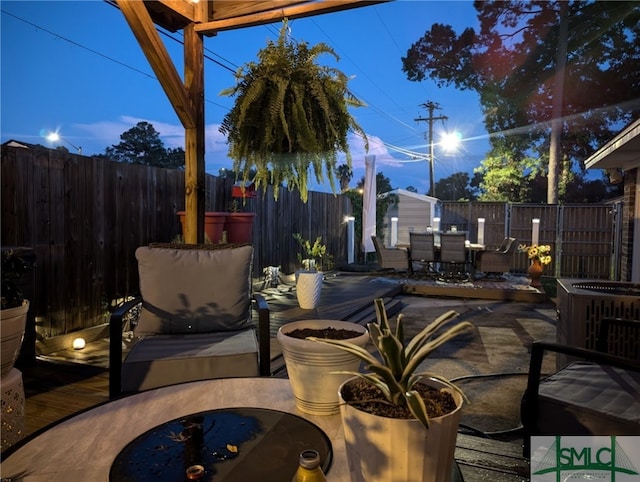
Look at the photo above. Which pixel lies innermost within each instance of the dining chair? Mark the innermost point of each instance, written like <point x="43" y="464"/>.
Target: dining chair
<point x="422" y="252"/>
<point x="195" y="319"/>
<point x="453" y="257"/>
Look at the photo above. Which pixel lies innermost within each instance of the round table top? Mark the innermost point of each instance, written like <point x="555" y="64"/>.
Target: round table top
<point x="85" y="446"/>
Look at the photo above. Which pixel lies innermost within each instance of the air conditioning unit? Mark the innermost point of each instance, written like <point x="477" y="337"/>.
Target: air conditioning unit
<point x="583" y="303"/>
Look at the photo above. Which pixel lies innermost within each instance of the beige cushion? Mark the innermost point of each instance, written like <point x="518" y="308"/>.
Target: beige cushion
<point x="194" y="291"/>
<point x="161" y="360"/>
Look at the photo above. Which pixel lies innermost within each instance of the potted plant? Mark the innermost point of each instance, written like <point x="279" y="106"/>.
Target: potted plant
<point x="540" y="255"/>
<point x="312" y="367"/>
<point x="238" y="223"/>
<point x="15" y="263"/>
<point x="309" y="279"/>
<point x="214" y="223"/>
<point x="290" y="114"/>
<point x="400" y="424"/>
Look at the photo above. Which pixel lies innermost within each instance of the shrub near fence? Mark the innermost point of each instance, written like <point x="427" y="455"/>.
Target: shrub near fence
<point x="86" y="216"/>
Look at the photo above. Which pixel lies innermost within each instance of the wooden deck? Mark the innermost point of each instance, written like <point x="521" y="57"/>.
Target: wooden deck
<point x="68" y="381"/>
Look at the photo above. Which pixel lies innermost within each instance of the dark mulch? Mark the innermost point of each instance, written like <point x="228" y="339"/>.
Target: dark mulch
<point x="369" y="398"/>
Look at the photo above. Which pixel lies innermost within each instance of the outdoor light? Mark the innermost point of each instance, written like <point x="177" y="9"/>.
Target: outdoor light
<point x="436" y="224"/>
<point x="351" y="239"/>
<point x="394" y="230"/>
<point x="450" y="141"/>
<point x="55" y="137"/>
<point x="78" y="343"/>
<point x="535" y="231"/>
<point x="480" y="230"/>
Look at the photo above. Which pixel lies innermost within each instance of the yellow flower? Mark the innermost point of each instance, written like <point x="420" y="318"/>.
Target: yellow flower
<point x="541" y="252"/>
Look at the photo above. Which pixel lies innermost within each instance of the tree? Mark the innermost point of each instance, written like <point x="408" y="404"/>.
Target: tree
<point x="142" y="145"/>
<point x="344" y="174"/>
<point x="455" y="188"/>
<point x="512" y="63"/>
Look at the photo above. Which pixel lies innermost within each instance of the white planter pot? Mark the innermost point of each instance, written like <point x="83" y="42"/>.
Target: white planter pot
<point x="310" y="365"/>
<point x="309" y="288"/>
<point x="390" y="449"/>
<point x="13" y="321"/>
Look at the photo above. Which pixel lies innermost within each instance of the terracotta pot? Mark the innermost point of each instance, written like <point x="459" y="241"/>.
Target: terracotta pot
<point x="535" y="273"/>
<point x="309" y="288"/>
<point x="310" y="365"/>
<point x="239" y="227"/>
<point x="213" y="224"/>
<point x="13" y="321"/>
<point x="381" y="448"/>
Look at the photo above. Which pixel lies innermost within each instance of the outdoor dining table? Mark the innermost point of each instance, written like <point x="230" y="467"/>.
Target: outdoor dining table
<point x="88" y="445"/>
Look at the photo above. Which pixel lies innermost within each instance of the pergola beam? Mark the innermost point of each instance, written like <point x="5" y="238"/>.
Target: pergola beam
<point x="297" y="11"/>
<point x="145" y="32"/>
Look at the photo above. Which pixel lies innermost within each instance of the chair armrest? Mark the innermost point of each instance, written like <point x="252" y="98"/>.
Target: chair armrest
<point x="264" y="334"/>
<point x="115" y="345"/>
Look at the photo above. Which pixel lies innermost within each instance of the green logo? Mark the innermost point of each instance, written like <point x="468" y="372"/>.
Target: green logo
<point x="585" y="462"/>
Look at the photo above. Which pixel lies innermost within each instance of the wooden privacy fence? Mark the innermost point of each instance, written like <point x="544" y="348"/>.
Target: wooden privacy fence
<point x="584" y="238"/>
<point x="85" y="217"/>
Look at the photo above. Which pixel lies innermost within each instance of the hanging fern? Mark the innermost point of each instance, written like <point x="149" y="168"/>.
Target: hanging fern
<point x="290" y="115"/>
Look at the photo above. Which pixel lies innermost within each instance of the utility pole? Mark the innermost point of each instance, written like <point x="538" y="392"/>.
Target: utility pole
<point x="431" y="106"/>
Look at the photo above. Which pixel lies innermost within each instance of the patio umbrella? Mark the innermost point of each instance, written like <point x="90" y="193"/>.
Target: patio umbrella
<point x="369" y="204"/>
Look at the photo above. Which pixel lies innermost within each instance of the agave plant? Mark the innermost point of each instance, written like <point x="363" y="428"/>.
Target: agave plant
<point x="395" y="374"/>
<point x="290" y="114"/>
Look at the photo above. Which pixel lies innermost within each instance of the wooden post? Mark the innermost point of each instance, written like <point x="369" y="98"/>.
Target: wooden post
<point x="194" y="137"/>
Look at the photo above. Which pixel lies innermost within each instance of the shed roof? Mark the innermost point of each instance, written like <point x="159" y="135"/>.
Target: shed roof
<point x="621" y="152"/>
<point x="414" y="195"/>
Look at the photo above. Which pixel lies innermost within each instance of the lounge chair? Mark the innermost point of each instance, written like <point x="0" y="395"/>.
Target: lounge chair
<point x="195" y="319"/>
<point x="597" y="393"/>
<point x="494" y="263"/>
<point x="391" y="258"/>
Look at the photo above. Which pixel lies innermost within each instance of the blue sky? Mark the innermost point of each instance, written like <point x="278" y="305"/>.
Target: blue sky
<point x="76" y="67"/>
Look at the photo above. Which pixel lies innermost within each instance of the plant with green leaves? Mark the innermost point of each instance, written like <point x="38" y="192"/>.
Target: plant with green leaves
<point x="394" y="374"/>
<point x="290" y="114"/>
<point x="316" y="252"/>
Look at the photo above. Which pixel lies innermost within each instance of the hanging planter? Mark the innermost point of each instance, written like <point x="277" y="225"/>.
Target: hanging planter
<point x="290" y="114"/>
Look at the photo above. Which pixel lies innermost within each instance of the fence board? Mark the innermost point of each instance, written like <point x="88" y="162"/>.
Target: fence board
<point x="86" y="216"/>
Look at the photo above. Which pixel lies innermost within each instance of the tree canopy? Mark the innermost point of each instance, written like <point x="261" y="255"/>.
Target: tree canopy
<point x="512" y="62"/>
<point x="142" y="145"/>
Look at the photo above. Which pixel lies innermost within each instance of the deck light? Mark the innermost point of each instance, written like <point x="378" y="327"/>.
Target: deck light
<point x="78" y="343"/>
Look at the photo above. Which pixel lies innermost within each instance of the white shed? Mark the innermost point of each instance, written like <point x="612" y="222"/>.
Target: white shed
<point x="415" y="212"/>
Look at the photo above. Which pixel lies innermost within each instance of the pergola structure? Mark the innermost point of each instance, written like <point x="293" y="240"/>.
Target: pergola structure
<point x="199" y="18"/>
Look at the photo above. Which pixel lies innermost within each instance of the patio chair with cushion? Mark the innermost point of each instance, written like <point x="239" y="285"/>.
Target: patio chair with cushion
<point x="195" y="319"/>
<point x="422" y="252"/>
<point x="453" y="257"/>
<point x="597" y="393"/>
<point x="390" y="258"/>
<point x="494" y="263"/>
